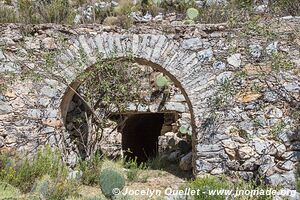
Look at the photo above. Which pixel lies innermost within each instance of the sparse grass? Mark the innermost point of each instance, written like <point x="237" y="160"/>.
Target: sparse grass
<point x="23" y="173"/>
<point x="277" y="128"/>
<point x="157" y="163"/>
<point x="207" y="183"/>
<point x="34" y="12"/>
<point x="56" y="11"/>
<point x="178" y="6"/>
<point x="211" y="183"/>
<point x="280" y="61"/>
<point x="285" y="7"/>
<point x="61" y="11"/>
<point x="27" y="13"/>
<point x="90" y="170"/>
<point x="8" y="15"/>
<point x="133" y="169"/>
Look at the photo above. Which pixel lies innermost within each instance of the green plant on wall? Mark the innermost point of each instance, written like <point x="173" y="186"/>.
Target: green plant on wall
<point x="162" y="81"/>
<point x="277" y="128"/>
<point x="185" y="129"/>
<point x="192" y="14"/>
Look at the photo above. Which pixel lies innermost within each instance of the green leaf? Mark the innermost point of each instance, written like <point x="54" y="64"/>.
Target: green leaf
<point x="161" y="81"/>
<point x="192" y="13"/>
<point x="183" y="129"/>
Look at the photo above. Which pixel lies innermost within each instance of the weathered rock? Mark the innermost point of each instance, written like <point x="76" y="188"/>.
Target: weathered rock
<point x="272" y="48"/>
<point x="245" y="152"/>
<point x="286" y="179"/>
<point x="75" y="175"/>
<point x="255" y="50"/>
<point x="49" y="43"/>
<point x="174" y="156"/>
<point x="192" y="44"/>
<point x="5" y="108"/>
<point x="203" y="166"/>
<point x="186" y="162"/>
<point x="235" y="60"/>
<point x="175" y="106"/>
<point x="184" y="146"/>
<point x="219" y="65"/>
<point x="248" y="97"/>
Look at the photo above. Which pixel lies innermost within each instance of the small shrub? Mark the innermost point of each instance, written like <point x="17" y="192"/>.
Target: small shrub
<point x="27" y="12"/>
<point x="56" y="188"/>
<point x="277" y="128"/>
<point x="24" y="174"/>
<point x="42" y="186"/>
<point x="177" y="5"/>
<point x="162" y="81"/>
<point x="209" y="183"/>
<point x="63" y="188"/>
<point x="134" y="169"/>
<point x="111" y="21"/>
<point x="109" y="180"/>
<point x="8" y="15"/>
<point x="125" y="21"/>
<point x="55" y="11"/>
<point x="90" y="170"/>
<point x="158" y="163"/>
<point x="285" y="7"/>
<point x="7" y="191"/>
<point x="124" y="7"/>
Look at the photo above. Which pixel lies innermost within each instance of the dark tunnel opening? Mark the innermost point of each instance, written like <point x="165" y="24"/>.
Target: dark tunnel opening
<point x="140" y="136"/>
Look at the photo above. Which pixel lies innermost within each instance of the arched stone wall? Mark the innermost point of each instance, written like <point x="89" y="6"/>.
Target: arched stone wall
<point x="156" y="51"/>
<point x="246" y="137"/>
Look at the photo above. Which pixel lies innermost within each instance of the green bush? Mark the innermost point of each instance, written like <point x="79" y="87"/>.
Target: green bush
<point x="124" y="7"/>
<point x="133" y="169"/>
<point x="7" y="191"/>
<point x="214" y="183"/>
<point x="24" y="173"/>
<point x="8" y="15"/>
<point x="42" y="186"/>
<point x="55" y="11"/>
<point x="27" y="12"/>
<point x="109" y="180"/>
<point x="54" y="188"/>
<point x="285" y="7"/>
<point x="177" y="5"/>
<point x="90" y="170"/>
<point x="210" y="183"/>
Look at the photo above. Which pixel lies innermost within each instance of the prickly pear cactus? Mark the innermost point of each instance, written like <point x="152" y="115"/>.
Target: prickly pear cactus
<point x="42" y="186"/>
<point x="161" y="81"/>
<point x="93" y="198"/>
<point x="7" y="191"/>
<point x="111" y="182"/>
<point x="192" y="13"/>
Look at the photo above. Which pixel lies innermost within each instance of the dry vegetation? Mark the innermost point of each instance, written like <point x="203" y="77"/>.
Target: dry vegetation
<point x="61" y="11"/>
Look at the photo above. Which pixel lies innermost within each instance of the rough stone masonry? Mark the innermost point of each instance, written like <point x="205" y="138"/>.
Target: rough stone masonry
<point x="241" y="86"/>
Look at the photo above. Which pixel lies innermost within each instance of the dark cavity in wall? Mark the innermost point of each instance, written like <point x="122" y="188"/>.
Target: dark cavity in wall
<point x="140" y="136"/>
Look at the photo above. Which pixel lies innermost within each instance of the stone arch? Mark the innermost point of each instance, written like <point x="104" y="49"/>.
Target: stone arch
<point x="75" y="84"/>
<point x="157" y="51"/>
